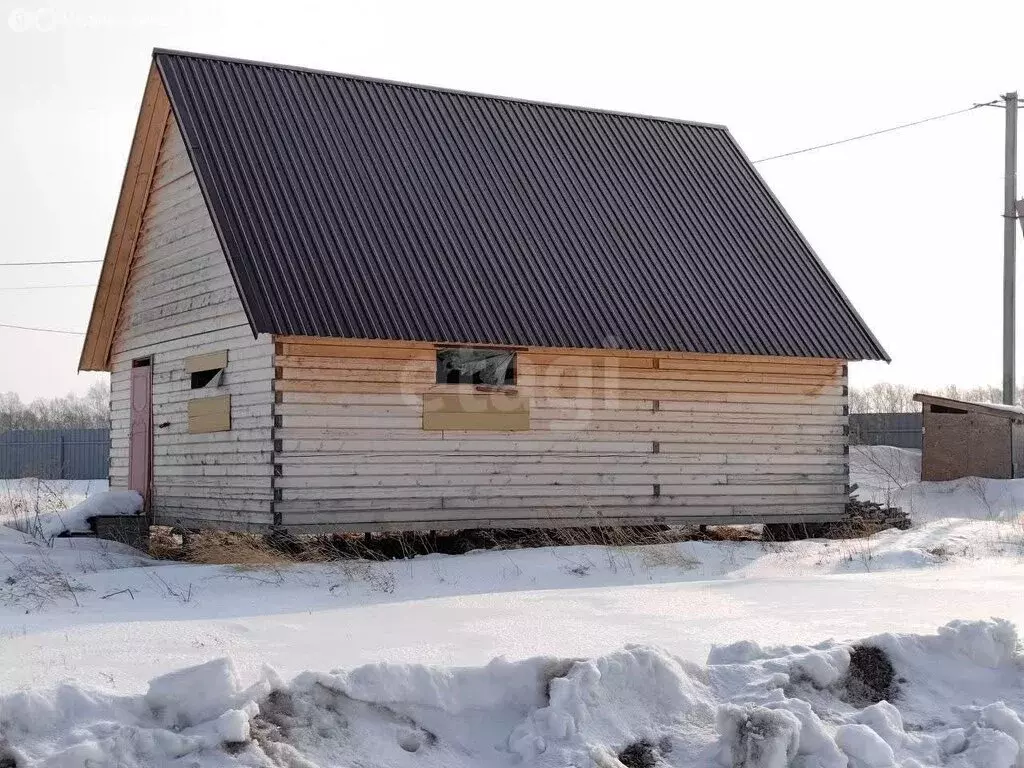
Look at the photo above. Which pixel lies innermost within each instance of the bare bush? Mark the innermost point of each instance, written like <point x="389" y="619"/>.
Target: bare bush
<point x="24" y="503"/>
<point x="35" y="582"/>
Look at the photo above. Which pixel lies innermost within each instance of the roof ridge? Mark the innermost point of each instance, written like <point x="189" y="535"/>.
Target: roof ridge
<point x="437" y="89"/>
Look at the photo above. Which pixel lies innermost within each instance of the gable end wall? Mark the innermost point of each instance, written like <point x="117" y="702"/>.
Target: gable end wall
<point x="181" y="301"/>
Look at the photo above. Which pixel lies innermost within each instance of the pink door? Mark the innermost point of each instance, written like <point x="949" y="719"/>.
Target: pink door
<point x="140" y="435"/>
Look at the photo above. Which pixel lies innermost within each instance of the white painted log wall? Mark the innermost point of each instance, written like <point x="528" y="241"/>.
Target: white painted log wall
<point x="702" y="438"/>
<point x="181" y="301"/>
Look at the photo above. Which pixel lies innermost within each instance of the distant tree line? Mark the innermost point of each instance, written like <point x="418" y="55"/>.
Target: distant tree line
<point x="88" y="411"/>
<point x="899" y="398"/>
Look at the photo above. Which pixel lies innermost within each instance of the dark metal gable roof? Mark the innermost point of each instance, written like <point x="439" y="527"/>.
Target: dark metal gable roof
<point x="361" y="208"/>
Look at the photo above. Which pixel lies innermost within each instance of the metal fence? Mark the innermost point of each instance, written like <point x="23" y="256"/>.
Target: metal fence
<point x="900" y="429"/>
<point x="55" y="454"/>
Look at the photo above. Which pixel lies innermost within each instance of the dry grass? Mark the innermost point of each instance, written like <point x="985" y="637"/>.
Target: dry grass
<point x="35" y="582"/>
<point x="23" y="502"/>
<point x="729" y="533"/>
<point x="252" y="550"/>
<point x="1009" y="535"/>
<point x="246" y="550"/>
<point x="164" y="545"/>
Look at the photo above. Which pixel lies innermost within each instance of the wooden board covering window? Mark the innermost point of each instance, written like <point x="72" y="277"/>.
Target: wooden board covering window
<point x="209" y="414"/>
<point x="490" y="412"/>
<point x="210" y="361"/>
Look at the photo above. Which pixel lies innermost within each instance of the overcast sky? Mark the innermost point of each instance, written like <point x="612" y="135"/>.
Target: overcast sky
<point x="908" y="223"/>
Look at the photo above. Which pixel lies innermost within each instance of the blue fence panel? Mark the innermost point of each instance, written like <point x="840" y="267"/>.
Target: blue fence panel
<point x="55" y="454"/>
<point x="900" y="429"/>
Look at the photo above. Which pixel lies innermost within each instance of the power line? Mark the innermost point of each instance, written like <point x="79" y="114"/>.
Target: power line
<point x="42" y="287"/>
<point x="47" y="263"/>
<point x="875" y="133"/>
<point x="41" y="330"/>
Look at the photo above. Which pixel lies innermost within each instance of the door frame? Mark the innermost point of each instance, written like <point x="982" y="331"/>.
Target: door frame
<point x="140" y="417"/>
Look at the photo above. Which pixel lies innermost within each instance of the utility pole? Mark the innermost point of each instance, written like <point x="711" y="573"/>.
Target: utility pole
<point x="1010" y="251"/>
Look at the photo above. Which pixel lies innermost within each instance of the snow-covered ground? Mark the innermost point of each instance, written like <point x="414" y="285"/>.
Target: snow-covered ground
<point x="42" y="507"/>
<point x="605" y="650"/>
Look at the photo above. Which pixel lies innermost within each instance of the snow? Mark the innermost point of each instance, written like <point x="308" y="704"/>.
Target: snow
<point x="552" y="712"/>
<point x="886" y="721"/>
<point x="50" y="493"/>
<point x="698" y="654"/>
<point x="1003" y="407"/>
<point x="210" y="691"/>
<point x="759" y="737"/>
<point x="75" y="519"/>
<point x="892" y="476"/>
<point x="48" y="508"/>
<point x="865" y="747"/>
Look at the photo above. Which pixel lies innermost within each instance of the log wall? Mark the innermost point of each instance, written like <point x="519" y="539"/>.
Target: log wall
<point x="614" y="437"/>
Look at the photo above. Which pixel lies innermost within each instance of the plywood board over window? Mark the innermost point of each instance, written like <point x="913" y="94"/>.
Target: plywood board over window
<point x="490" y="411"/>
<point x="208" y="361"/>
<point x="206" y="370"/>
<point x="209" y="414"/>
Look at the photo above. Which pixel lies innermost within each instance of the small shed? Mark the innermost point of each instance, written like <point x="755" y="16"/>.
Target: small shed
<point x="963" y="439"/>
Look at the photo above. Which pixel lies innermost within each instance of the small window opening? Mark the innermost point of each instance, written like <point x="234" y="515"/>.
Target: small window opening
<point x="490" y="367"/>
<point x="208" y="378"/>
<point x="142" y="362"/>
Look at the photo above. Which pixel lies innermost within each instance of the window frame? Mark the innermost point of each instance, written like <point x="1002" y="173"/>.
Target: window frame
<point x="510" y="383"/>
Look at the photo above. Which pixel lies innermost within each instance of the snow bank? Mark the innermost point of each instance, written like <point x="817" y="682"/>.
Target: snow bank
<point x="23" y="500"/>
<point x="892" y="476"/>
<point x="210" y="691"/>
<point x="875" y="466"/>
<point x="35" y="489"/>
<point x="958" y="702"/>
<point x="75" y="519"/>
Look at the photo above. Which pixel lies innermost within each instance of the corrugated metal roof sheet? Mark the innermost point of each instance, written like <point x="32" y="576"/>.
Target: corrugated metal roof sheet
<point x="360" y="208"/>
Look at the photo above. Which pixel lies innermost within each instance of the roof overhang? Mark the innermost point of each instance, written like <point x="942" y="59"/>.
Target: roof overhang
<point x="1002" y="411"/>
<point x="124" y="232"/>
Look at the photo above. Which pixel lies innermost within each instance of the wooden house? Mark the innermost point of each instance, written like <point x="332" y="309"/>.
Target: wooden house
<point x="337" y="303"/>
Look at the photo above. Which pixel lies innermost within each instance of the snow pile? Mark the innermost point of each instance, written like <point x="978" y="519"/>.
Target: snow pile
<point x="75" y="520"/>
<point x="48" y="508"/>
<point x="960" y="519"/>
<point x="44" y="493"/>
<point x="957" y="699"/>
<point x="934" y="717"/>
<point x="893" y="476"/>
<point x="208" y="692"/>
<point x="878" y="467"/>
